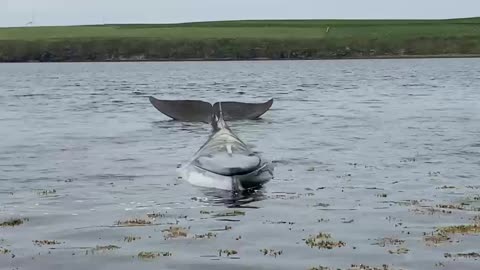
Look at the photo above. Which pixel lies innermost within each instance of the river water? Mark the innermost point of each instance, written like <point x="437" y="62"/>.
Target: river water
<point x="365" y="150"/>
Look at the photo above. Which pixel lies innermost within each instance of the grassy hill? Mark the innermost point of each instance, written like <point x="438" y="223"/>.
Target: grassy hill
<point x="270" y="39"/>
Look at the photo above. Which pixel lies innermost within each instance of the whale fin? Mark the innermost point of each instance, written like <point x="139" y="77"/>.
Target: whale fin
<point x="184" y="110"/>
<point x="201" y="111"/>
<point x="232" y="110"/>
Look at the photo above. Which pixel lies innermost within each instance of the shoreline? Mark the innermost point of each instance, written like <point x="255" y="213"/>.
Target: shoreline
<point x="244" y="41"/>
<point x="378" y="57"/>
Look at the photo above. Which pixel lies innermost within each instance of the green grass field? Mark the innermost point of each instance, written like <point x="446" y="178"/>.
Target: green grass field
<point x="292" y="39"/>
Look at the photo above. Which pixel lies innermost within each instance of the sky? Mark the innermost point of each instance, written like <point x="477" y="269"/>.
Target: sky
<point x="75" y="12"/>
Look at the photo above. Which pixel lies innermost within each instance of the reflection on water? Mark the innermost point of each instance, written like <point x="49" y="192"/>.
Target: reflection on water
<point x="234" y="199"/>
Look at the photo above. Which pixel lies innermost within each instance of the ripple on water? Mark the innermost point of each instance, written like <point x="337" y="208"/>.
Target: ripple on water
<point x="380" y="155"/>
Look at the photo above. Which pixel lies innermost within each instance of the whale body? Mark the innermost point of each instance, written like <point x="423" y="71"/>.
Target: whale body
<point x="224" y="161"/>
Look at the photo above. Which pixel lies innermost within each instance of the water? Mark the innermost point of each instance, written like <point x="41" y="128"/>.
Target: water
<point x="353" y="143"/>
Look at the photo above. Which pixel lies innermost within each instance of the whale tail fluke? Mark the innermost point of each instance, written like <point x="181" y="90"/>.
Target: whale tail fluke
<point x="201" y="111"/>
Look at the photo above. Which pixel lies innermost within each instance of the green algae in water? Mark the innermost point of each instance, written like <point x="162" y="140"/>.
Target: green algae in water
<point x="228" y="252"/>
<point x="442" y="234"/>
<point x="271" y="252"/>
<point x="436" y="239"/>
<point x="461" y="229"/>
<point x="354" y="267"/>
<point x="321" y="268"/>
<point x="13" y="222"/>
<point x="451" y="206"/>
<point x="109" y="247"/>
<point x="133" y="222"/>
<point x="366" y="267"/>
<point x="175" y="232"/>
<point x="130" y="239"/>
<point x="156" y="215"/>
<point x="470" y="255"/>
<point x="47" y="192"/>
<point x="205" y="235"/>
<point x="323" y="240"/>
<point x="388" y="241"/>
<point x="230" y="214"/>
<point x="401" y="250"/>
<point x="152" y="255"/>
<point x="45" y="242"/>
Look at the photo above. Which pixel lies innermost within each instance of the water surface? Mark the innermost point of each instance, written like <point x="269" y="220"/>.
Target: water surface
<point x="364" y="150"/>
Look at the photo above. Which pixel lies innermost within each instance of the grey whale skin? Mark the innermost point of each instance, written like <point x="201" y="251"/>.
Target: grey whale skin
<point x="224" y="161"/>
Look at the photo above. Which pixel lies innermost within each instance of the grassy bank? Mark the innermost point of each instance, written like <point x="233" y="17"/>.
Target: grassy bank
<point x="293" y="39"/>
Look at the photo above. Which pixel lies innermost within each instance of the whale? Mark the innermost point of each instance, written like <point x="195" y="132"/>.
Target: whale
<point x="224" y="161"/>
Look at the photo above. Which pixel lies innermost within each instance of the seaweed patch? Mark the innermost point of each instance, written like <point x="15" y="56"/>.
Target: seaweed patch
<point x="323" y="240"/>
<point x="271" y="252"/>
<point x="152" y="255"/>
<point x="130" y="239"/>
<point x="470" y="255"/>
<point x="175" y="232"/>
<point x="13" y="222"/>
<point x="133" y="222"/>
<point x="230" y="214"/>
<point x="228" y="252"/>
<point x="388" y="241"/>
<point x="45" y="242"/>
<point x="205" y="235"/>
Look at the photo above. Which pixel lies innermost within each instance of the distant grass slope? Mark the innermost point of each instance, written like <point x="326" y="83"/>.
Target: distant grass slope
<point x="271" y="39"/>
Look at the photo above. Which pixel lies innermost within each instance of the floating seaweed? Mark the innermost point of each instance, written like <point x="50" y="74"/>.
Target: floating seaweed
<point x="228" y="252"/>
<point x="436" y="239"/>
<point x="354" y="267"/>
<point x="323" y="240"/>
<point x="320" y="268"/>
<point x="133" y="222"/>
<point x="460" y="229"/>
<point x="446" y="187"/>
<point x="153" y="255"/>
<point x="386" y="241"/>
<point x="271" y="252"/>
<point x="278" y="222"/>
<point x="130" y="239"/>
<point x="451" y="206"/>
<point x="205" y="235"/>
<point x="108" y="247"/>
<point x="430" y="211"/>
<point x="156" y="215"/>
<point x="47" y="192"/>
<point x="45" y="242"/>
<point x="401" y="250"/>
<point x="366" y="267"/>
<point x="175" y="232"/>
<point x="442" y="234"/>
<point x="230" y="214"/>
<point x="13" y="222"/>
<point x="470" y="255"/>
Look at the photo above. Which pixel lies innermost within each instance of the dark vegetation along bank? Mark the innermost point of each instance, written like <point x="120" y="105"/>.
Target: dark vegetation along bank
<point x="293" y="39"/>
